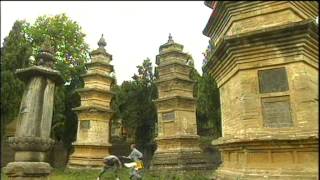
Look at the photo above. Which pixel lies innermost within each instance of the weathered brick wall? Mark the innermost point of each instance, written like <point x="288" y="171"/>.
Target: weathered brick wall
<point x="242" y="104"/>
<point x="97" y="133"/>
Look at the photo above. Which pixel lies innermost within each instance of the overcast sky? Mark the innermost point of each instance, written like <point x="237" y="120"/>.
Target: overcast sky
<point x="133" y="30"/>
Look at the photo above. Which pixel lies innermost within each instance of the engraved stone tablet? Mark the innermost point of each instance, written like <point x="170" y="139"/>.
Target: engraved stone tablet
<point x="276" y="112"/>
<point x="168" y="116"/>
<point x="273" y="80"/>
<point x="85" y="124"/>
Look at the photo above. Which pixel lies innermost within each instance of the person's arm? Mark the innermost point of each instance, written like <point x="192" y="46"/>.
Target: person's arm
<point x="136" y="154"/>
<point x="131" y="155"/>
<point x="105" y="159"/>
<point x="139" y="154"/>
<point x="119" y="162"/>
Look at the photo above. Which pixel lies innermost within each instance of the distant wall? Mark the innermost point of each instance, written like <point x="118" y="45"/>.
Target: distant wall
<point x="58" y="156"/>
<point x="213" y="154"/>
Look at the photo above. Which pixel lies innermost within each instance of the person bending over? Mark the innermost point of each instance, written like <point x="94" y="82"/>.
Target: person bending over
<point x="111" y="162"/>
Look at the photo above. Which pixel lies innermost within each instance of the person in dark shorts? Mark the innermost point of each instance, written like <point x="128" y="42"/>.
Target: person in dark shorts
<point x="112" y="163"/>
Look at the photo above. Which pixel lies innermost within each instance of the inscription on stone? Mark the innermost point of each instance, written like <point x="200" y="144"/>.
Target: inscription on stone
<point x="273" y="80"/>
<point x="85" y="124"/>
<point x="276" y="112"/>
<point x="168" y="116"/>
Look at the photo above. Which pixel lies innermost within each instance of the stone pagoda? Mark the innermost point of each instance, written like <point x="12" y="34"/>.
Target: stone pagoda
<point x="94" y="114"/>
<point x="32" y="139"/>
<point x="177" y="142"/>
<point x="265" y="62"/>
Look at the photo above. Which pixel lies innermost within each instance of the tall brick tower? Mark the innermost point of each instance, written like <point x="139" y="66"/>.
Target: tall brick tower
<point x="94" y="114"/>
<point x="177" y="141"/>
<point x="265" y="62"/>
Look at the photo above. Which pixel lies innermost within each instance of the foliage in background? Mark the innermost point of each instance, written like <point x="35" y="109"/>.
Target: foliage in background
<point x="15" y="54"/>
<point x="208" y="107"/>
<point x="208" y="104"/>
<point x="134" y="105"/>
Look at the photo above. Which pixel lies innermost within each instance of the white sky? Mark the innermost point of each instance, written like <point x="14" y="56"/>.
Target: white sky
<point x="133" y="30"/>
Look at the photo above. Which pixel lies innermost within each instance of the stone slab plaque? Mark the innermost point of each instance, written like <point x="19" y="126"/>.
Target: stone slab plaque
<point x="168" y="116"/>
<point x="273" y="80"/>
<point x="276" y="112"/>
<point x="85" y="124"/>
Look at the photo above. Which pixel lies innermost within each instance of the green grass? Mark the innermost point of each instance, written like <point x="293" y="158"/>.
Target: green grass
<point x="68" y="174"/>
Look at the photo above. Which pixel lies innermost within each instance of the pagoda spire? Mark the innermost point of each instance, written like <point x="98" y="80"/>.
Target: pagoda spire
<point x="102" y="42"/>
<point x="170" y="40"/>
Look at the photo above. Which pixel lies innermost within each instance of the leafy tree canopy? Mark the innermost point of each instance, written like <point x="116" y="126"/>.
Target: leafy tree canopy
<point x="67" y="41"/>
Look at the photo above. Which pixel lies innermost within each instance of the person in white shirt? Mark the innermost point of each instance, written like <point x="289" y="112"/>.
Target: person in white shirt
<point x="135" y="156"/>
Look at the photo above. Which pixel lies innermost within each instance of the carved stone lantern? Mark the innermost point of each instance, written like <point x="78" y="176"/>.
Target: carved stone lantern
<point x="32" y="136"/>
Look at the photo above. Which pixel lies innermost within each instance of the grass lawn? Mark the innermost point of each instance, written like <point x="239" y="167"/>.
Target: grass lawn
<point x="67" y="174"/>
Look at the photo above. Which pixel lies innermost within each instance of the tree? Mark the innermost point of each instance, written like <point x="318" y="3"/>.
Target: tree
<point x="208" y="106"/>
<point x="135" y="106"/>
<point x="15" y="54"/>
<point x="67" y="40"/>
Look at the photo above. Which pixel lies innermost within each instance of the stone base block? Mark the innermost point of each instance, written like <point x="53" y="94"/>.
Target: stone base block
<point x="88" y="156"/>
<point x="269" y="159"/>
<point x="179" y="153"/>
<point x="180" y="161"/>
<point x="28" y="170"/>
<point x="257" y="174"/>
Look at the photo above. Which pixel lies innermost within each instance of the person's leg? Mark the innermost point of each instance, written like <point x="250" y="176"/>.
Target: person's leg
<point x="134" y="174"/>
<point x="117" y="177"/>
<point x="116" y="172"/>
<point x="104" y="169"/>
<point x="114" y="169"/>
<point x="131" y="173"/>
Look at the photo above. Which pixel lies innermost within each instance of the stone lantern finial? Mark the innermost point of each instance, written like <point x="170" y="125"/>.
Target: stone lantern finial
<point x="102" y="42"/>
<point x="45" y="55"/>
<point x="170" y="40"/>
<point x="46" y="46"/>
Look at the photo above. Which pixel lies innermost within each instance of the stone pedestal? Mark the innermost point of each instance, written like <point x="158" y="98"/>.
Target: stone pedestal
<point x="177" y="142"/>
<point x="31" y="139"/>
<point x="94" y="114"/>
<point x="28" y="170"/>
<point x="180" y="153"/>
<point x="265" y="63"/>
